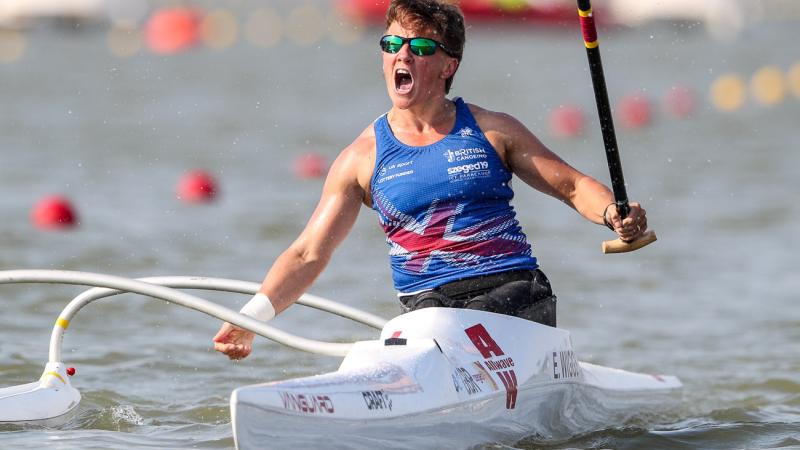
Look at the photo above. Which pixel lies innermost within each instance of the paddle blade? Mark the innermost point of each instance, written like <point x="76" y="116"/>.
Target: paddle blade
<point x="620" y="246"/>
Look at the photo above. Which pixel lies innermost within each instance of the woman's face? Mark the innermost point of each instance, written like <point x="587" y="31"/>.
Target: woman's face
<point x="412" y="79"/>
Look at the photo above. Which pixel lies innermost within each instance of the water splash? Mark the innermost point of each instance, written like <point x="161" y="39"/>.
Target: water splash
<point x="126" y="415"/>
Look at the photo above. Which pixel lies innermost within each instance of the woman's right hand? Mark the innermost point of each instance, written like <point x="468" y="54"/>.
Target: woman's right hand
<point x="233" y="341"/>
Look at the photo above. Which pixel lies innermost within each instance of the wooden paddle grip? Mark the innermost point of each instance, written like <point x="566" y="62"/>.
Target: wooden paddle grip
<point x="620" y="246"/>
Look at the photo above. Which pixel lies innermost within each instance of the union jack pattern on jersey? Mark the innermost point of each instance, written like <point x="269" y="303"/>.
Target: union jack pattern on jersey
<point x="445" y="207"/>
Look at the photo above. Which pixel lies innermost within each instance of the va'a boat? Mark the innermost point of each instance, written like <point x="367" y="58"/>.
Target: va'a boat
<point x="447" y="378"/>
<point x="435" y="378"/>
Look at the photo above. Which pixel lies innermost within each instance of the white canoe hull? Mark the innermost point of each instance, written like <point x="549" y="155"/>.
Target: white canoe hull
<point x="446" y="378"/>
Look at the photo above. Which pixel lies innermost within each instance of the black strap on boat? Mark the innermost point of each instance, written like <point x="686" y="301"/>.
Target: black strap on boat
<point x="395" y="341"/>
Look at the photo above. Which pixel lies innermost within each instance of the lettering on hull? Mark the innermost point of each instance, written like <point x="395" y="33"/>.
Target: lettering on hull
<point x="377" y="400"/>
<point x="307" y="403"/>
<point x="500" y="364"/>
<point x="483" y="376"/>
<point x="463" y="380"/>
<point x="483" y="341"/>
<point x="501" y="367"/>
<point x="565" y="365"/>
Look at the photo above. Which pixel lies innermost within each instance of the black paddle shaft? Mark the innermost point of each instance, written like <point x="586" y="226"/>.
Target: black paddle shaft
<point x="603" y="106"/>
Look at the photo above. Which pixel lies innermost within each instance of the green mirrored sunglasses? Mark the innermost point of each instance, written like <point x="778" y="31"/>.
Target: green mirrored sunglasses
<point x="418" y="45"/>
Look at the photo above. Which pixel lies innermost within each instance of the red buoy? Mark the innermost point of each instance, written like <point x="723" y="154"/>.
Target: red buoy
<point x="310" y="165"/>
<point x="172" y="30"/>
<point x="567" y="121"/>
<point x="635" y="111"/>
<point x="680" y="102"/>
<point x="197" y="186"/>
<point x="53" y="212"/>
<point x="70" y="371"/>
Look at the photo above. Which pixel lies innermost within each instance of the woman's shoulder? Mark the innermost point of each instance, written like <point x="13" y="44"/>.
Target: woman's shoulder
<point x="490" y="120"/>
<point x="358" y="158"/>
<point x="364" y="143"/>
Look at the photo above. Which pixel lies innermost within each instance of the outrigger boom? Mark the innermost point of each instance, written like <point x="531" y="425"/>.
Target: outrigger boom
<point x="53" y="395"/>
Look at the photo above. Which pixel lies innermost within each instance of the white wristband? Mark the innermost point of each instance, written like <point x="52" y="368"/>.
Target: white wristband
<point x="259" y="307"/>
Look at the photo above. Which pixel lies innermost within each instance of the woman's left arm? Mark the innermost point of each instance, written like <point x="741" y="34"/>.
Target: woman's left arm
<point x="539" y="167"/>
<point x="528" y="158"/>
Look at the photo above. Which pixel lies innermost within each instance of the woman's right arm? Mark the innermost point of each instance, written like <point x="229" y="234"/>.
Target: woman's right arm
<point x="294" y="271"/>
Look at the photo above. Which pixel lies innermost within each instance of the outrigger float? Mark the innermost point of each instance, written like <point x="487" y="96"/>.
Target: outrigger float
<point x="453" y="376"/>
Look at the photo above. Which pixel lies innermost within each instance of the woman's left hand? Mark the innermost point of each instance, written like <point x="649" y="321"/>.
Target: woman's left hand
<point x="630" y="228"/>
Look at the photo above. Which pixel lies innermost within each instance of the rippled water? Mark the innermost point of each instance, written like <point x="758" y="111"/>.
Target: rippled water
<point x="713" y="301"/>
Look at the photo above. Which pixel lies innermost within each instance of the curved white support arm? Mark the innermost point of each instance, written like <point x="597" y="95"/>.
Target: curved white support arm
<point x="249" y="288"/>
<point x="163" y="293"/>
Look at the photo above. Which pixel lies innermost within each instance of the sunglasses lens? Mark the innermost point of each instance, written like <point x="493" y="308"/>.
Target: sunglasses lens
<point x="391" y="44"/>
<point x="423" y="47"/>
<point x="418" y="46"/>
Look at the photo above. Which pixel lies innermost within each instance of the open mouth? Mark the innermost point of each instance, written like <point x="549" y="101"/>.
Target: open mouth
<point x="403" y="81"/>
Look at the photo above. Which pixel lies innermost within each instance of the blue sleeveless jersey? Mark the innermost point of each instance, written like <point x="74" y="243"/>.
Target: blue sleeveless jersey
<point x="445" y="207"/>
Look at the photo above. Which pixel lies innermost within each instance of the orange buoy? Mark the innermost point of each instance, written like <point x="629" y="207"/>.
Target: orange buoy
<point x="728" y="93"/>
<point x="768" y="86"/>
<point x="54" y="212"/>
<point x="197" y="186"/>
